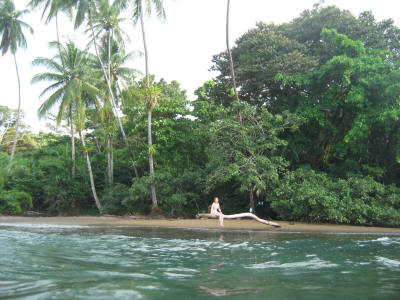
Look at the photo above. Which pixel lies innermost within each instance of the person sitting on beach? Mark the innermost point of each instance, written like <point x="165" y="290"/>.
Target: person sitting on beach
<point x="216" y="211"/>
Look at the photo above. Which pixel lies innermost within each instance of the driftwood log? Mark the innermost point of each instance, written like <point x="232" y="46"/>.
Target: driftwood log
<point x="242" y="215"/>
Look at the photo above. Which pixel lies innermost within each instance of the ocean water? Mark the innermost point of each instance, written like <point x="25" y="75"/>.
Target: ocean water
<point x="78" y="262"/>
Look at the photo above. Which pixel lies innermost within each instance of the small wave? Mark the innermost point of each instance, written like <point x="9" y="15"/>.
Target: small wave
<point x="27" y="225"/>
<point x="110" y="274"/>
<point x="148" y="287"/>
<point x="388" y="262"/>
<point x="383" y="240"/>
<point x="244" y="244"/>
<point x="185" y="270"/>
<point x="315" y="263"/>
<point x="177" y="275"/>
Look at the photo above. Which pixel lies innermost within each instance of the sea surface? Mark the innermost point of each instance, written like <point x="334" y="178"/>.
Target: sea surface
<point x="78" y="262"/>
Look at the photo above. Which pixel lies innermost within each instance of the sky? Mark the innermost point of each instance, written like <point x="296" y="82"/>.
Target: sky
<point x="180" y="48"/>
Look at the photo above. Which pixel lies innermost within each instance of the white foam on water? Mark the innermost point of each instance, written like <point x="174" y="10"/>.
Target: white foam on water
<point x="179" y="270"/>
<point x="109" y="274"/>
<point x="391" y="263"/>
<point x="274" y="253"/>
<point x="177" y="275"/>
<point x="127" y="294"/>
<point x="314" y="264"/>
<point x="383" y="240"/>
<point x="27" y="225"/>
<point x="244" y="244"/>
<point x="149" y="287"/>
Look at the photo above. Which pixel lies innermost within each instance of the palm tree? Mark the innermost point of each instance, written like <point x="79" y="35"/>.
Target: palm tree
<point x="12" y="38"/>
<point x="106" y="25"/>
<point x="228" y="48"/>
<point x="89" y="8"/>
<point x="151" y="94"/>
<point x="80" y="121"/>
<point x="70" y="82"/>
<point x="114" y="59"/>
<point x="53" y="7"/>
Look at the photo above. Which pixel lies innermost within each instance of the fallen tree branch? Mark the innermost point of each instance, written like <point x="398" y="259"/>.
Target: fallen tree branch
<point x="242" y="215"/>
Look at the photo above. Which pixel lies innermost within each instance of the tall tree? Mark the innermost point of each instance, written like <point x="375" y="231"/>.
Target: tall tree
<point x="89" y="9"/>
<point x="52" y="8"/>
<point x="106" y="26"/>
<point x="150" y="95"/>
<point x="12" y="38"/>
<point x="114" y="58"/>
<point x="80" y="121"/>
<point x="228" y="49"/>
<point x="140" y="8"/>
<point x="69" y="84"/>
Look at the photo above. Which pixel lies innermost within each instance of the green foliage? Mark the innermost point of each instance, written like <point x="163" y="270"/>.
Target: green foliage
<point x="248" y="153"/>
<point x="318" y="139"/>
<point x="305" y="195"/>
<point x="351" y="101"/>
<point x="45" y="174"/>
<point x="13" y="202"/>
<point x="117" y="200"/>
<point x="11" y="27"/>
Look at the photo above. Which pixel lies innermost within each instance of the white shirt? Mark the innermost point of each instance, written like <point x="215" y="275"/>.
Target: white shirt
<point x="214" y="208"/>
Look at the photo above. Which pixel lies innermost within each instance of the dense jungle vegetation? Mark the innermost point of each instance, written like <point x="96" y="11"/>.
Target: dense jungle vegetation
<point x="312" y="134"/>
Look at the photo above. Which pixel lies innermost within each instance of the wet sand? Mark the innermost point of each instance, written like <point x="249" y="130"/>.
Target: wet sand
<point x="244" y="224"/>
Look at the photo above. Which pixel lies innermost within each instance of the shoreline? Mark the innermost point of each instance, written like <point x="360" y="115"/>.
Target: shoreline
<point x="230" y="224"/>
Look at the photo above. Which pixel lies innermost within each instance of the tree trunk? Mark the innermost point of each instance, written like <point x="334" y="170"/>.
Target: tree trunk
<point x="89" y="165"/>
<point x="58" y="41"/>
<point x="231" y="60"/>
<point x="242" y="215"/>
<point x="251" y="194"/>
<point x="112" y="98"/>
<point x="109" y="162"/>
<point x="149" y="135"/>
<point x="151" y="164"/>
<point x="109" y="141"/>
<point x="18" y="117"/>
<point x="72" y="147"/>
<point x="4" y="132"/>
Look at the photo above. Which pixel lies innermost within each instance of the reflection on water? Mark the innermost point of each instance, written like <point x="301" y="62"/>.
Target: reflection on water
<point x="78" y="262"/>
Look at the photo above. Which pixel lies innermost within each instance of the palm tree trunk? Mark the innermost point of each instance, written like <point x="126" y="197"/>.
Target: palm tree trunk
<point x="89" y="165"/>
<point x="109" y="55"/>
<point x="109" y="142"/>
<point x="112" y="162"/>
<point x="231" y="60"/>
<point x="151" y="164"/>
<point x="112" y="98"/>
<point x="18" y="117"/>
<point x="4" y="132"/>
<point x="149" y="111"/>
<point x="109" y="162"/>
<point x="73" y="148"/>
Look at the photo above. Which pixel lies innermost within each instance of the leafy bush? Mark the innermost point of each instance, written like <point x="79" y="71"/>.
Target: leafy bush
<point x="115" y="199"/>
<point x="14" y="202"/>
<point x="305" y="195"/>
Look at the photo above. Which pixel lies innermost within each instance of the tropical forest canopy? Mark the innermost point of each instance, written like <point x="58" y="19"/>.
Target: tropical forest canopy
<point x="315" y="135"/>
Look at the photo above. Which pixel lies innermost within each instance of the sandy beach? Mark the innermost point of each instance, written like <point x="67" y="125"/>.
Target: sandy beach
<point x="244" y="224"/>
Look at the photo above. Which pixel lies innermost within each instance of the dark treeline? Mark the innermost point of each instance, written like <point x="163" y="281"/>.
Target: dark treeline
<point x="317" y="138"/>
